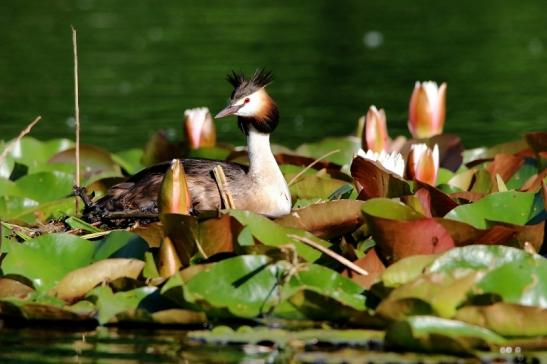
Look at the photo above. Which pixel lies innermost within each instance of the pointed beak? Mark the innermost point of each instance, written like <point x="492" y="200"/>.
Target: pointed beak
<point x="229" y="110"/>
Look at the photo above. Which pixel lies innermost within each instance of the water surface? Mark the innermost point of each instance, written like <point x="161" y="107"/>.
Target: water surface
<point x="142" y="63"/>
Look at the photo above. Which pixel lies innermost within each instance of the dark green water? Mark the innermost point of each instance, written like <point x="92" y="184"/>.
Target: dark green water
<point x="142" y="63"/>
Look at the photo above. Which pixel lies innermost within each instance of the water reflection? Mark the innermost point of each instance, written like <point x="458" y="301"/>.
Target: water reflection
<point x="142" y="65"/>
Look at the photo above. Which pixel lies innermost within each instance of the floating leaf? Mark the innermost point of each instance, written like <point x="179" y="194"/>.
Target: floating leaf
<point x="433" y="334"/>
<point x="45" y="186"/>
<point x="374" y="181"/>
<point x="245" y="286"/>
<point x="326" y="220"/>
<point x="524" y="320"/>
<point x="46" y="259"/>
<point x="80" y="281"/>
<point x="110" y="304"/>
<point x="270" y="233"/>
<point x="315" y="187"/>
<point x="406" y="270"/>
<point x="95" y="162"/>
<point x="494" y="208"/>
<point x="396" y="238"/>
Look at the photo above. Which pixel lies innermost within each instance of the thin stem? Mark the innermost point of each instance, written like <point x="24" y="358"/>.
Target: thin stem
<point x="295" y="178"/>
<point x="21" y="135"/>
<point x="334" y="255"/>
<point x="76" y="112"/>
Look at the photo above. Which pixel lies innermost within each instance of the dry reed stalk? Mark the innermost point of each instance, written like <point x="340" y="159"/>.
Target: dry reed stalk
<point x="76" y="112"/>
<point x="21" y="135"/>
<point x="222" y="183"/>
<point x="330" y="253"/>
<point x="295" y="178"/>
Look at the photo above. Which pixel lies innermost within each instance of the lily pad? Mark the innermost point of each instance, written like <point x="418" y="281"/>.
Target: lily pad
<point x="245" y="286"/>
<point x="326" y="220"/>
<point x="495" y="207"/>
<point x="80" y="281"/>
<point x="434" y="334"/>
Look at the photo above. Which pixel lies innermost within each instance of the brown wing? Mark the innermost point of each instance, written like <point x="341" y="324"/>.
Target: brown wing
<point x="140" y="192"/>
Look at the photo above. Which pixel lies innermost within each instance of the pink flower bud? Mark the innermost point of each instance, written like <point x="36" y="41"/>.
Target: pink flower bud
<point x="375" y="137"/>
<point x="199" y="128"/>
<point x="423" y="163"/>
<point x="427" y="109"/>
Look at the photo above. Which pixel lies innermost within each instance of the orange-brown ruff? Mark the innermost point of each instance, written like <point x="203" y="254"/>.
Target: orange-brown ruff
<point x="260" y="187"/>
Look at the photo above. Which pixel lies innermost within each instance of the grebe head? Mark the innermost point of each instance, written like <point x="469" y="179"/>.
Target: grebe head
<point x="251" y="103"/>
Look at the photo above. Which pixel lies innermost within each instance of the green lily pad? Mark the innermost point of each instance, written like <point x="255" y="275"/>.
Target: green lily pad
<point x="245" y="286"/>
<point x="129" y="160"/>
<point x="524" y="320"/>
<point x="45" y="186"/>
<point x="308" y="187"/>
<point x="406" y="269"/>
<point x="510" y="207"/>
<point x="270" y="233"/>
<point x="434" y="334"/>
<point x="48" y="258"/>
<point x="528" y="285"/>
<point x="110" y="304"/>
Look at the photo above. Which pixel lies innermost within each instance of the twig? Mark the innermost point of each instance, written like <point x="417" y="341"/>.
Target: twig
<point x="293" y="180"/>
<point x="330" y="253"/>
<point x="23" y="132"/>
<point x="222" y="183"/>
<point x="76" y="112"/>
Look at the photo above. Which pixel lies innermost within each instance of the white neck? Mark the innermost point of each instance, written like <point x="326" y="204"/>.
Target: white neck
<point x="261" y="158"/>
<point x="266" y="175"/>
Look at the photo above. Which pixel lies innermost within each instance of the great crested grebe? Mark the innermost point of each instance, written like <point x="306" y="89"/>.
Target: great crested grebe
<point x="260" y="187"/>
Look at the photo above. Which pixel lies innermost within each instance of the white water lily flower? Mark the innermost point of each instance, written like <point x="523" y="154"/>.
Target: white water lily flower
<point x="393" y="162"/>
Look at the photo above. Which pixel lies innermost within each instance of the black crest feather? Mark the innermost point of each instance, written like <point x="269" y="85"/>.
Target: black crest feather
<point x="244" y="87"/>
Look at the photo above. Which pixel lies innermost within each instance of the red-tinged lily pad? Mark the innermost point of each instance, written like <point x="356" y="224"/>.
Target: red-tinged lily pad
<point x="400" y="231"/>
<point x="372" y="264"/>
<point x="496" y="207"/>
<point x="537" y="141"/>
<point x="374" y="181"/>
<point x="505" y="165"/>
<point x="326" y="220"/>
<point x="507" y="319"/>
<point x="11" y="288"/>
<point x="217" y="235"/>
<point x="94" y="161"/>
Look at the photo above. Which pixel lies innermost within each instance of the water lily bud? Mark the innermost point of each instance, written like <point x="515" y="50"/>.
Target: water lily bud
<point x="375" y="137"/>
<point x="174" y="196"/>
<point x="426" y="111"/>
<point x="199" y="128"/>
<point x="423" y="163"/>
<point x="393" y="161"/>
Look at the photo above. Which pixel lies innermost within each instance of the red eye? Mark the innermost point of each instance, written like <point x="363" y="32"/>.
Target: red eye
<point x="246" y="100"/>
